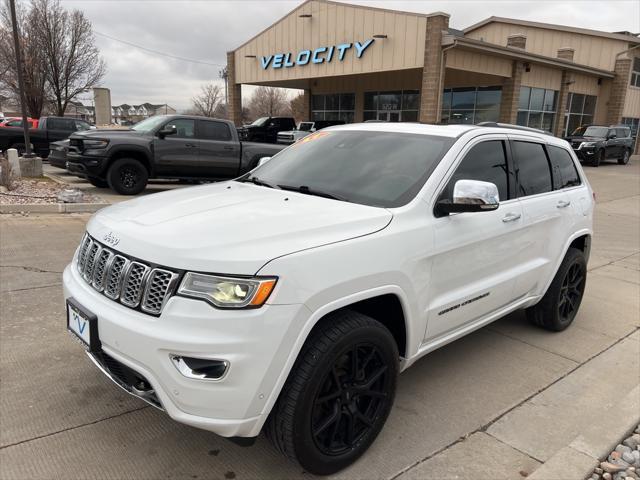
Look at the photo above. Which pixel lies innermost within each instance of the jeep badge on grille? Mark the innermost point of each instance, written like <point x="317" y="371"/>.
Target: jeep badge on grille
<point x="111" y="239"/>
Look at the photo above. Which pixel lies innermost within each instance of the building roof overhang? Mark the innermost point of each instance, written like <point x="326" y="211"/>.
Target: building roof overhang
<point x="464" y="43"/>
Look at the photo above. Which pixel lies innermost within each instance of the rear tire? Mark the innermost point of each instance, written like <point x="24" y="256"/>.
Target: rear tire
<point x="98" y="182"/>
<point x="560" y="304"/>
<point x="127" y="176"/>
<point x="338" y="395"/>
<point x="625" y="158"/>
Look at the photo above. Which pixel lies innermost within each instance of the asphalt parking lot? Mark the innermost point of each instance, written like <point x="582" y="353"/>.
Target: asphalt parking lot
<point x="495" y="404"/>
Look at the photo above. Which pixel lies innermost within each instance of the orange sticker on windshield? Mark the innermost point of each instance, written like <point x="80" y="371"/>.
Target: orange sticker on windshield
<point x="311" y="138"/>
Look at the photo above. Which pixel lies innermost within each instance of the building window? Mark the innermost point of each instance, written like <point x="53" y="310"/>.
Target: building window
<point x="399" y="106"/>
<point x="633" y="124"/>
<point x="335" y="106"/>
<point x="537" y="108"/>
<point x="635" y="72"/>
<point x="579" y="111"/>
<point x="471" y="105"/>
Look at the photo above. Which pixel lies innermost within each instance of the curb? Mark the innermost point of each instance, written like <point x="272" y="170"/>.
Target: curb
<point x="53" y="208"/>
<point x="586" y="451"/>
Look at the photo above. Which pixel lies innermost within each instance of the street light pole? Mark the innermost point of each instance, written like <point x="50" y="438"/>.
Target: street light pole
<point x="23" y="98"/>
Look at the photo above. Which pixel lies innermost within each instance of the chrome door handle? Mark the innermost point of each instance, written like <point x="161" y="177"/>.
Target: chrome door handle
<point x="563" y="204"/>
<point x="511" y="217"/>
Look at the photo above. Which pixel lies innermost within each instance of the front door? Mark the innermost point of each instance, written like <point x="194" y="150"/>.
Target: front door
<point x="177" y="154"/>
<point x="219" y="153"/>
<point x="389" y="116"/>
<point x="477" y="255"/>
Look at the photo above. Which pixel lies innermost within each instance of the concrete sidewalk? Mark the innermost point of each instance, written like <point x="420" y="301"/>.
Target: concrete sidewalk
<point x="509" y="401"/>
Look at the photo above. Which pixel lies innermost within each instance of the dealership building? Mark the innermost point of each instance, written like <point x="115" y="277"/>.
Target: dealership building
<point x="357" y="63"/>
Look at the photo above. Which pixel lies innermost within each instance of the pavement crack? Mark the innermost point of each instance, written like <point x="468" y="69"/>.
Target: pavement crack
<point x="572" y="360"/>
<point x="31" y="288"/>
<point x="484" y="428"/>
<point x="74" y="428"/>
<point x="30" y="269"/>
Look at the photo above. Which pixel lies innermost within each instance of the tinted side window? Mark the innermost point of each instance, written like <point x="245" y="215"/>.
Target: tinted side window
<point x="534" y="172"/>
<point x="214" y="131"/>
<point x="55" y="124"/>
<point x="567" y="175"/>
<point x="487" y="162"/>
<point x="185" y="128"/>
<point x="80" y="126"/>
<point x="622" y="132"/>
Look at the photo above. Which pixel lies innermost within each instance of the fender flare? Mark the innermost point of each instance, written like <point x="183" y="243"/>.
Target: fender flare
<point x="117" y="150"/>
<point x="313" y="320"/>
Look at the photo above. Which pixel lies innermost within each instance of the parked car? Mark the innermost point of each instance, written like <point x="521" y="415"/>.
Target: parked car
<point x="164" y="146"/>
<point x="58" y="153"/>
<point x="304" y="129"/>
<point x="50" y="129"/>
<point x="594" y="144"/>
<point x="17" y="122"/>
<point x="291" y="297"/>
<point x="266" y="129"/>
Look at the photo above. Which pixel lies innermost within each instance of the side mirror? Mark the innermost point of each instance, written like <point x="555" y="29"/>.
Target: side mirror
<point x="263" y="160"/>
<point x="611" y="136"/>
<point x="471" y="196"/>
<point x="167" y="130"/>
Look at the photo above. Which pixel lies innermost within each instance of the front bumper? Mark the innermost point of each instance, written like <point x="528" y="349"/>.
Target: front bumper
<point x="585" y="153"/>
<point x="252" y="341"/>
<point x="86" y="165"/>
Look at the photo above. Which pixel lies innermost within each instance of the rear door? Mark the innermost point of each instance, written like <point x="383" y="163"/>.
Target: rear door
<point x="177" y="155"/>
<point x="219" y="153"/>
<point x="477" y="255"/>
<point x="545" y="211"/>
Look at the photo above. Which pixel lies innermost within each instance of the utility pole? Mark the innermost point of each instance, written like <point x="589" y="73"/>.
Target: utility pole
<point x="23" y="98"/>
<point x="224" y="74"/>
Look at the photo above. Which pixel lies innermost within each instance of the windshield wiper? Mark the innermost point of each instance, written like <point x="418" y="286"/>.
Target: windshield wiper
<point x="257" y="181"/>
<point x="308" y="191"/>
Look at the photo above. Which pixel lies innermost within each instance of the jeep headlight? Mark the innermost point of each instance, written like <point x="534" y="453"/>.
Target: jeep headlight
<point x="588" y="144"/>
<point x="228" y="292"/>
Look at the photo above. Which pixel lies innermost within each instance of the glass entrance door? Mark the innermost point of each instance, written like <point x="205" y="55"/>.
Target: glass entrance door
<point x="389" y="116"/>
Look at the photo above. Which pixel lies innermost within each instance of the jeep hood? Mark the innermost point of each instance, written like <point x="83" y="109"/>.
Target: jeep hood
<point x="230" y="227"/>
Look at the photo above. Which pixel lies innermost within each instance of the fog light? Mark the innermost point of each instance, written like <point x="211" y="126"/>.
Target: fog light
<point x="200" y="368"/>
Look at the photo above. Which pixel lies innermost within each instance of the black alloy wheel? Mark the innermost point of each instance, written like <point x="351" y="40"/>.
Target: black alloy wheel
<point x="127" y="176"/>
<point x="571" y="292"/>
<point x="350" y="399"/>
<point x="625" y="158"/>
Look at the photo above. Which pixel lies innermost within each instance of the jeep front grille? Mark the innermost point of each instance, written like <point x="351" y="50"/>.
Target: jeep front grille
<point x="129" y="281"/>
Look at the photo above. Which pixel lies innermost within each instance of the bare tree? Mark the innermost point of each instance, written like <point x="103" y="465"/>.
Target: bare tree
<point x="297" y="108"/>
<point x="268" y="102"/>
<point x="208" y="101"/>
<point x="72" y="60"/>
<point x="33" y="61"/>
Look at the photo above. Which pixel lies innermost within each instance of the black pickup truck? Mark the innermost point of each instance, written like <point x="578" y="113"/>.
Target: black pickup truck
<point x="165" y="146"/>
<point x="50" y="129"/>
<point x="266" y="129"/>
<point x="594" y="144"/>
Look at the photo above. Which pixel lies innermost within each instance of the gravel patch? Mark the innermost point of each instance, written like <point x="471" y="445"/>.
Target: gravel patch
<point x="42" y="191"/>
<point x="623" y="463"/>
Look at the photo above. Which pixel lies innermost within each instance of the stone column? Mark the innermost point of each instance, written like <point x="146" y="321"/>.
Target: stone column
<point x="511" y="94"/>
<point x="433" y="70"/>
<point x="561" y="104"/>
<point x="235" y="92"/>
<point x="619" y="87"/>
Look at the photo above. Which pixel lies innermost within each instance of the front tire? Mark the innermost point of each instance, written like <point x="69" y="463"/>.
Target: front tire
<point x="625" y="158"/>
<point x="127" y="176"/>
<point x="338" y="395"/>
<point x="560" y="304"/>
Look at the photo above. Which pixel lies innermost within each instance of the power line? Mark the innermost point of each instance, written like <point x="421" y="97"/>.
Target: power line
<point x="156" y="52"/>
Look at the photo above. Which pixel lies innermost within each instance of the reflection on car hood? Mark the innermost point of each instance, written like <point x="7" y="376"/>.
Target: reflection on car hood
<point x="231" y="227"/>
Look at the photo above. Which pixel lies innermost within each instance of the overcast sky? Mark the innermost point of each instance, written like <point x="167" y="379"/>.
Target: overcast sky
<point x="205" y="30"/>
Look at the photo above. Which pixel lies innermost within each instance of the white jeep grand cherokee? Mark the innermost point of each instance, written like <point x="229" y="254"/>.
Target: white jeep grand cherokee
<point x="289" y="299"/>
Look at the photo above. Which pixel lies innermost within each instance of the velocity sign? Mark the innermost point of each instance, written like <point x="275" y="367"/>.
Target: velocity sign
<point x="319" y="55"/>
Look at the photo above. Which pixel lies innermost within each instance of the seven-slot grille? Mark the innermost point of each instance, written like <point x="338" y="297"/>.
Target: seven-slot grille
<point x="120" y="278"/>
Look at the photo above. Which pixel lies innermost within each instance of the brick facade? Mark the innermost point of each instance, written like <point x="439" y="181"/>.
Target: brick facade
<point x="433" y="70"/>
<point x="306" y="113"/>
<point x="561" y="104"/>
<point x="511" y="94"/>
<point x="618" y="90"/>
<point x="235" y="91"/>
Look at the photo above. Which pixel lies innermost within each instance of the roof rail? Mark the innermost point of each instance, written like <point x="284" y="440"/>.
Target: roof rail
<point x="515" y="127"/>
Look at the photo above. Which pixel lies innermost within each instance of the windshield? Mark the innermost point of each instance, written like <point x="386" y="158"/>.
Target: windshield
<point x="590" y="132"/>
<point x="149" y="124"/>
<point x="371" y="168"/>
<point x="260" y="122"/>
<point x="305" y="126"/>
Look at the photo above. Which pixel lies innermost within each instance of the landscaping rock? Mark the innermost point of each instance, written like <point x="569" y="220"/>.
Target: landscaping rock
<point x="633" y="441"/>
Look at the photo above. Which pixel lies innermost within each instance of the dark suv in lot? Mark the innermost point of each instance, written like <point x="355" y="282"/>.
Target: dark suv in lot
<point x="594" y="144"/>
